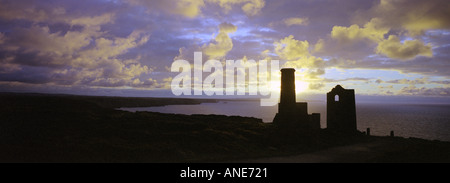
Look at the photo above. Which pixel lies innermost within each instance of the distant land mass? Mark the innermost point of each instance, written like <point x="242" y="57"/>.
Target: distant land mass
<point x="69" y="128"/>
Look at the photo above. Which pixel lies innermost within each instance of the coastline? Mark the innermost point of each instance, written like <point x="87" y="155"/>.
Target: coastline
<point x="48" y="128"/>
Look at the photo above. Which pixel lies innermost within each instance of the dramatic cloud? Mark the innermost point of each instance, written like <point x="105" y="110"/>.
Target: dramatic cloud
<point x="316" y="86"/>
<point x="373" y="30"/>
<point x="129" y="45"/>
<point x="93" y="21"/>
<point x="318" y="47"/>
<point x="2" y="38"/>
<point x="386" y="87"/>
<point x="393" y="48"/>
<point x="11" y="10"/>
<point x="291" y="49"/>
<point x="416" y="16"/>
<point x="250" y="7"/>
<point x="222" y="43"/>
<point x="193" y="8"/>
<point x="423" y="91"/>
<point x="410" y="82"/>
<point x="83" y="56"/>
<point x="188" y="8"/>
<point x="298" y="56"/>
<point x="296" y="21"/>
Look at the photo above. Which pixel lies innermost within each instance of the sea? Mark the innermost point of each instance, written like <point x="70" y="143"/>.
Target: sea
<point x="427" y="121"/>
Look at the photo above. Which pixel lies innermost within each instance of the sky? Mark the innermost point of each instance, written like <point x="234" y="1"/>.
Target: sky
<point x="127" y="47"/>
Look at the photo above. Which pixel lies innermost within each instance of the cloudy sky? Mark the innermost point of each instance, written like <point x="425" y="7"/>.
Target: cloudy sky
<point x="127" y="47"/>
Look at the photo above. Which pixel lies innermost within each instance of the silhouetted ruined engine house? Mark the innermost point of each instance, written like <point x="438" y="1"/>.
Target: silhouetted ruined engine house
<point x="341" y="110"/>
<point x="290" y="112"/>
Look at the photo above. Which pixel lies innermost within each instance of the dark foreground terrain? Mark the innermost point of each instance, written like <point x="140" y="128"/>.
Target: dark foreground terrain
<point x="60" y="128"/>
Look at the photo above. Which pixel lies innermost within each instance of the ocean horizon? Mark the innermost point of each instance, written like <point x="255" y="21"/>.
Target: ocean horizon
<point x="427" y="121"/>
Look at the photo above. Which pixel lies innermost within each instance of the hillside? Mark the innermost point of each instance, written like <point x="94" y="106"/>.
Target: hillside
<point x="59" y="128"/>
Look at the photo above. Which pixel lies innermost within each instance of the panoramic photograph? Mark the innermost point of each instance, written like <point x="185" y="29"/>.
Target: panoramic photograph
<point x="224" y="81"/>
